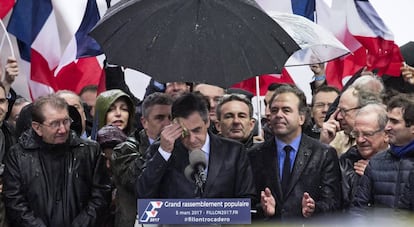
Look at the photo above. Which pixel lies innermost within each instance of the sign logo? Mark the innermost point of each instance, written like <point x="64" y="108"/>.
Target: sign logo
<point x="151" y="211"/>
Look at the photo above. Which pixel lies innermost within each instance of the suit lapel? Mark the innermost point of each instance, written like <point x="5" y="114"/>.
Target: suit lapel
<point x="215" y="162"/>
<point x="302" y="158"/>
<point x="270" y="159"/>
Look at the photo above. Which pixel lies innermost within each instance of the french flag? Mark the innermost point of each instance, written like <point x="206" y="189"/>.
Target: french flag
<point x="360" y="28"/>
<point x="52" y="36"/>
<point x="5" y="7"/>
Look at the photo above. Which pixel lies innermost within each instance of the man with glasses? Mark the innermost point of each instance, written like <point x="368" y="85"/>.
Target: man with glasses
<point x="336" y="131"/>
<point x="74" y="100"/>
<point x="370" y="137"/>
<point x="387" y="172"/>
<point x="52" y="177"/>
<point x="321" y="100"/>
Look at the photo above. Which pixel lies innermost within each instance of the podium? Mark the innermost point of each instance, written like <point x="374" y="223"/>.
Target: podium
<point x="194" y="211"/>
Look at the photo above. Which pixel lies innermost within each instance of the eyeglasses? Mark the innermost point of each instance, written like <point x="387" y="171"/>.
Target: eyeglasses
<point x="356" y="134"/>
<point x="56" y="124"/>
<point x="344" y="111"/>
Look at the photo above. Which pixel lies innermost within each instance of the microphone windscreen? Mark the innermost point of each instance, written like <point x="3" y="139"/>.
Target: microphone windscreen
<point x="197" y="157"/>
<point x="188" y="172"/>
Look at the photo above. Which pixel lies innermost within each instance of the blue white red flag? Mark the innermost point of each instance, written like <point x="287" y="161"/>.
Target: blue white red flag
<point x="5" y="7"/>
<point x="52" y="37"/>
<point x="360" y="28"/>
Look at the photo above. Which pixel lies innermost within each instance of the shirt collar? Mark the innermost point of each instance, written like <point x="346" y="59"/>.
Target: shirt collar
<point x="150" y="140"/>
<point x="295" y="143"/>
<point x="206" y="147"/>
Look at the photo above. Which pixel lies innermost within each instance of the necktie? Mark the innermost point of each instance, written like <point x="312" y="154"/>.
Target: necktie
<point x="286" y="169"/>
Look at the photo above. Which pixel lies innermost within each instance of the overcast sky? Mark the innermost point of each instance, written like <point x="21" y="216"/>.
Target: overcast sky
<point x="398" y="16"/>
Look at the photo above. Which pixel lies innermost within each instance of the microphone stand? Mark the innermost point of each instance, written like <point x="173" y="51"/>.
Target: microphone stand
<point x="200" y="186"/>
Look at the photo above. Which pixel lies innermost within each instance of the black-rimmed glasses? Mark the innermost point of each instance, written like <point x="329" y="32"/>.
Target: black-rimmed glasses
<point x="345" y="111"/>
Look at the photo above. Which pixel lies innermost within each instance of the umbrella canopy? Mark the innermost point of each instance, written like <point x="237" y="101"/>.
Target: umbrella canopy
<point x="317" y="44"/>
<point x="407" y="51"/>
<point x="210" y="41"/>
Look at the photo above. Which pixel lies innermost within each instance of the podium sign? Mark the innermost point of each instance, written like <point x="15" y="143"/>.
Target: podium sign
<point x="194" y="211"/>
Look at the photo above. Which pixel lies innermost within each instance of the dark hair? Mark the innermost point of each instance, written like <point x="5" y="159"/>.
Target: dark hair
<point x="302" y="106"/>
<point x="24" y="121"/>
<point x="406" y="103"/>
<point x="189" y="103"/>
<point x="91" y="88"/>
<point x="156" y="98"/>
<point x="325" y="89"/>
<point x="274" y="86"/>
<point x="234" y="97"/>
<point x="53" y="100"/>
<point x="288" y="88"/>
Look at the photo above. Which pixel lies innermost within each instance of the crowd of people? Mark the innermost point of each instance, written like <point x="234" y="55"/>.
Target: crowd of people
<point x="84" y="159"/>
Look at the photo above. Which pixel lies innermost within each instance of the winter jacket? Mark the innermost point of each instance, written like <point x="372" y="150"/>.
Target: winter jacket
<point x="85" y="184"/>
<point x="383" y="182"/>
<point x="128" y="159"/>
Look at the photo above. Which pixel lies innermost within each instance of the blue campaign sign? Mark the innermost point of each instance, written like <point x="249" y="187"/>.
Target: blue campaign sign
<point x="194" y="211"/>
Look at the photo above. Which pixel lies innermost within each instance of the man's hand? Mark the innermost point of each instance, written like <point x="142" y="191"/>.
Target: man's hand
<point x="407" y="73"/>
<point x="330" y="128"/>
<point x="308" y="205"/>
<point x="360" y="166"/>
<point x="168" y="136"/>
<point x="12" y="70"/>
<point x="268" y="202"/>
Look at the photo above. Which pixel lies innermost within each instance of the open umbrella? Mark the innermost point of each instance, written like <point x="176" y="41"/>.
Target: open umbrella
<point x="210" y="41"/>
<point x="317" y="44"/>
<point x="407" y="51"/>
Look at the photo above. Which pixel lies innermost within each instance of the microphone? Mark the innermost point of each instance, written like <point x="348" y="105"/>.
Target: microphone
<point x="198" y="162"/>
<point x="189" y="173"/>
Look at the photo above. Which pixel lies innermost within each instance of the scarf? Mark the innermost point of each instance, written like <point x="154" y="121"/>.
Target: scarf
<point x="401" y="151"/>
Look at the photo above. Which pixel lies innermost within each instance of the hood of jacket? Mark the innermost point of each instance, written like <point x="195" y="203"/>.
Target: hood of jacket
<point x="105" y="100"/>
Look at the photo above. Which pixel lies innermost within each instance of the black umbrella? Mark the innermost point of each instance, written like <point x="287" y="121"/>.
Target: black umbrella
<point x="212" y="41"/>
<point x="407" y="51"/>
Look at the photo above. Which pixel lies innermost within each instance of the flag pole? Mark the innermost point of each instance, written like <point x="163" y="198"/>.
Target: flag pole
<point x="259" y="111"/>
<point x="7" y="37"/>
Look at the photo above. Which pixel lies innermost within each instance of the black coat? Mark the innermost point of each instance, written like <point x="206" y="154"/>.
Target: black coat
<point x="127" y="162"/>
<point x="350" y="179"/>
<point x="316" y="171"/>
<point x="85" y="182"/>
<point x="229" y="173"/>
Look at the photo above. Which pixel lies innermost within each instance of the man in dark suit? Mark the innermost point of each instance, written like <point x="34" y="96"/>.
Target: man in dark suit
<point x="228" y="170"/>
<point x="296" y="176"/>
